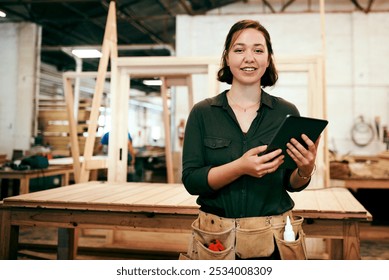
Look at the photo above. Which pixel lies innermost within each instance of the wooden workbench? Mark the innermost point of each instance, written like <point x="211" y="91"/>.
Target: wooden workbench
<point x="330" y="213"/>
<point x="24" y="176"/>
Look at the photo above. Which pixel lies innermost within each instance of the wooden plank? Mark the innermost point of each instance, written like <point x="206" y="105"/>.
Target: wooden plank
<point x="60" y="128"/>
<point x="86" y="197"/>
<point x="308" y="199"/>
<point x="348" y="201"/>
<point x="178" y="199"/>
<point x="327" y="202"/>
<point x="148" y="191"/>
<point x="189" y="83"/>
<point x="162" y="197"/>
<point x="58" y="114"/>
<point x="104" y="192"/>
<point x="172" y="81"/>
<point x="118" y="143"/>
<point x="167" y="66"/>
<point x="121" y="193"/>
<point x="191" y="201"/>
<point x="168" y="143"/>
<point x="48" y="115"/>
<point x="81" y="219"/>
<point x="96" y="164"/>
<point x="46" y="195"/>
<point x="69" y="97"/>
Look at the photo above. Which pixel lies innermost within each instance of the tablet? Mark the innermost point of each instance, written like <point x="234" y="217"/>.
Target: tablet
<point x="293" y="127"/>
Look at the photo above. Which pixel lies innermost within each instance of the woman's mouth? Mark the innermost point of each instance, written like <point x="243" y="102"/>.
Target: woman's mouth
<point x="248" y="69"/>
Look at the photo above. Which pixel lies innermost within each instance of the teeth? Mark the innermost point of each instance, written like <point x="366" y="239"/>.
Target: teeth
<point x="248" y="69"/>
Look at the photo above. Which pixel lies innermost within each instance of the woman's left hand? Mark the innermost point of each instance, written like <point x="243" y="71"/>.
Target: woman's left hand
<point x="304" y="158"/>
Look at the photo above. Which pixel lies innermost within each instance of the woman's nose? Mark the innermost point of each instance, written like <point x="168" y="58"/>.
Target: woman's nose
<point x="249" y="56"/>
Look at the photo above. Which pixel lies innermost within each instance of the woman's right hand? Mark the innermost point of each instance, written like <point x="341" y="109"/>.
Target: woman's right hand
<point x="255" y="164"/>
<point x="248" y="164"/>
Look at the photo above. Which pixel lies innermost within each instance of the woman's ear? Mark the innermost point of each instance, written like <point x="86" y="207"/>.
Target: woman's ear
<point x="225" y="54"/>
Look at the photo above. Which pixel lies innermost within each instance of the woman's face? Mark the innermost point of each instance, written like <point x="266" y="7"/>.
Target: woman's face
<point x="248" y="57"/>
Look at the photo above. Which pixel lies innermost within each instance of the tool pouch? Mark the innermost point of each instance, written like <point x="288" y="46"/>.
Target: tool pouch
<point x="254" y="238"/>
<point x="291" y="250"/>
<point x="206" y="228"/>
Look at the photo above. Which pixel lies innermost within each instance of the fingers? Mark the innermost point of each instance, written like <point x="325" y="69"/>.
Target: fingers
<point x="300" y="154"/>
<point x="260" y="149"/>
<point x="317" y="141"/>
<point x="270" y="166"/>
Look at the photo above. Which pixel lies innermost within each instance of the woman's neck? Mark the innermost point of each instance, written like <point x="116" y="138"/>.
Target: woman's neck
<point x="245" y="95"/>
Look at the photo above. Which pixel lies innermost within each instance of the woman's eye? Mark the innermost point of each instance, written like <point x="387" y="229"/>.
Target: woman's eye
<point x="258" y="51"/>
<point x="238" y="50"/>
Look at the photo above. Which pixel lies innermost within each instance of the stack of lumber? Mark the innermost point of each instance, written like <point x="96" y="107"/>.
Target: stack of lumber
<point x="53" y="124"/>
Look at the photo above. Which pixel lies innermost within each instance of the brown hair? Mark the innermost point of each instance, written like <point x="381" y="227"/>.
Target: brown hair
<point x="270" y="76"/>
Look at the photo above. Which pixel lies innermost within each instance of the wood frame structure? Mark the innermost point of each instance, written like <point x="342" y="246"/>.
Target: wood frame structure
<point x="173" y="71"/>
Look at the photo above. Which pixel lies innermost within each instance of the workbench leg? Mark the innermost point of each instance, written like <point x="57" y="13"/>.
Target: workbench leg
<point x="67" y="243"/>
<point x="9" y="236"/>
<point x="351" y="242"/>
<point x="5" y="232"/>
<point x="65" y="179"/>
<point x="335" y="248"/>
<point x="93" y="176"/>
<point x="24" y="186"/>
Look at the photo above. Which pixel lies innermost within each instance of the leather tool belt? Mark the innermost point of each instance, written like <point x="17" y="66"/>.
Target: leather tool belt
<point x="245" y="238"/>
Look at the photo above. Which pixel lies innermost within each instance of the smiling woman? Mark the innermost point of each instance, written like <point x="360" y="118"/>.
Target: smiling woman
<point x="224" y="134"/>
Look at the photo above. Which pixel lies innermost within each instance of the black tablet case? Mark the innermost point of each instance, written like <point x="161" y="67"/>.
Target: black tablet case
<point x="293" y="127"/>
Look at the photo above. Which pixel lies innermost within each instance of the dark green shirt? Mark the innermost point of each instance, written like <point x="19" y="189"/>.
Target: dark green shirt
<point x="213" y="137"/>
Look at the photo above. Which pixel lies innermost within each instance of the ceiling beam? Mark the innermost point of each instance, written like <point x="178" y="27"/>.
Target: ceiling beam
<point x="188" y="9"/>
<point x="359" y="6"/>
<point x="267" y="4"/>
<point x="286" y="5"/>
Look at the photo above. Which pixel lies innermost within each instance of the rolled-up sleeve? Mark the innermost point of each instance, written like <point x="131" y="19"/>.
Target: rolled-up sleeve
<point x="194" y="170"/>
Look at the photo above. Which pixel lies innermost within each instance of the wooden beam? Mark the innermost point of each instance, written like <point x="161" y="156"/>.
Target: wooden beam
<point x="108" y="49"/>
<point x="74" y="146"/>
<point x="168" y="144"/>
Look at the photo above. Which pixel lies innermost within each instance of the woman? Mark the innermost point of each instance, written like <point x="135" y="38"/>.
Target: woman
<point x="226" y="133"/>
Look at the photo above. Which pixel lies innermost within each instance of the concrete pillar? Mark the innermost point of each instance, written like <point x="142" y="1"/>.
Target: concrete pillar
<point x="19" y="65"/>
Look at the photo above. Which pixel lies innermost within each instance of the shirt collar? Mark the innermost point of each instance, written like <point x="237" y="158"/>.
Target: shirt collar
<point x="220" y="100"/>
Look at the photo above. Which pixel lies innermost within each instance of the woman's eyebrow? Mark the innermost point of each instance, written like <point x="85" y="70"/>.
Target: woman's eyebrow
<point x="243" y="44"/>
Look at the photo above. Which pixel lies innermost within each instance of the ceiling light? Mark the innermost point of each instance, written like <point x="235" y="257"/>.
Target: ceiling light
<point x="152" y="82"/>
<point x="86" y="53"/>
<point x="2" y="14"/>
